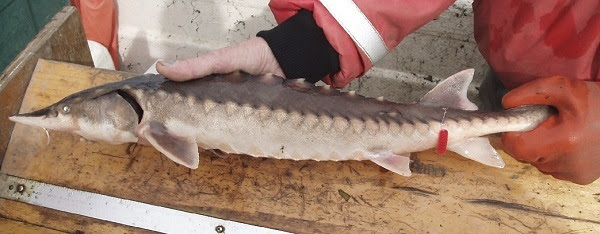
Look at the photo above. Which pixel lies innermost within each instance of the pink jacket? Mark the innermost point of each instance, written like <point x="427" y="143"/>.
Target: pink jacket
<point x="521" y="39"/>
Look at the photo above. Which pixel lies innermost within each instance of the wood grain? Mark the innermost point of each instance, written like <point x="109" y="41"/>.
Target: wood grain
<point x="446" y="193"/>
<point x="62" y="39"/>
<point x="12" y="226"/>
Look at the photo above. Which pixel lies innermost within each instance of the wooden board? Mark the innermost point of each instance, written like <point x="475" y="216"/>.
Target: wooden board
<point x="12" y="226"/>
<point x="62" y="39"/>
<point x="445" y="194"/>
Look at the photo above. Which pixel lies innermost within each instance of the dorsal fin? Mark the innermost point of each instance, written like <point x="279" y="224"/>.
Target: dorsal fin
<point x="452" y="92"/>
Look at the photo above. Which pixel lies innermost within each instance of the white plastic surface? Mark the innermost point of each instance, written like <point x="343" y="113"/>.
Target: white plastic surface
<point x="100" y="55"/>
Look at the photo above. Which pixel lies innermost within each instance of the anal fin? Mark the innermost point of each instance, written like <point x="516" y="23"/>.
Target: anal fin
<point x="396" y="163"/>
<point x="182" y="150"/>
<point x="479" y="149"/>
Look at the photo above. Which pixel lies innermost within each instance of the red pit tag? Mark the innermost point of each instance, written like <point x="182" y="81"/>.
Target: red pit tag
<point x="442" y="142"/>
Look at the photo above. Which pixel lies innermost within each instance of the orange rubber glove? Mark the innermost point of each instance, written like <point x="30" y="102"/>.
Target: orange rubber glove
<point x="566" y="145"/>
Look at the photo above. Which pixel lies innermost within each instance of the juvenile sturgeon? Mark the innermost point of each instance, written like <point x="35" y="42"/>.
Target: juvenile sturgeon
<point x="268" y="116"/>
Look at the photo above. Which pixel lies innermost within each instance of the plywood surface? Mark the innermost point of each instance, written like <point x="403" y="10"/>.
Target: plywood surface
<point x="62" y="39"/>
<point x="12" y="226"/>
<point x="445" y="194"/>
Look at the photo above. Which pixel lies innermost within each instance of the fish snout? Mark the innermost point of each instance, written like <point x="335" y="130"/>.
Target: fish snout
<point x="47" y="118"/>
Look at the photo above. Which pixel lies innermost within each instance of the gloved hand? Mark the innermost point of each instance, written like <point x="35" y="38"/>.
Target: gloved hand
<point x="253" y="56"/>
<point x="567" y="145"/>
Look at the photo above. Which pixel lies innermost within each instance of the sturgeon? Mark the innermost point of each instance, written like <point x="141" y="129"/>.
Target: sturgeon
<point x="269" y="116"/>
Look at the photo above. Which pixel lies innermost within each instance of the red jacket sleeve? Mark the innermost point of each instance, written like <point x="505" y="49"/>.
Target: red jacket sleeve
<point x="529" y="39"/>
<point x="393" y="20"/>
<point x="100" y="23"/>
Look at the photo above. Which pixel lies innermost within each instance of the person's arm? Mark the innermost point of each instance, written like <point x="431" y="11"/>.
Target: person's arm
<point x="343" y="57"/>
<point x="548" y="53"/>
<point x="360" y="31"/>
<point x="252" y="56"/>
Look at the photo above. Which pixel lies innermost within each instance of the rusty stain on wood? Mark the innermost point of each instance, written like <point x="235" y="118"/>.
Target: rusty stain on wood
<point x="417" y="191"/>
<point x="418" y="167"/>
<point x="346" y="196"/>
<point x="296" y="196"/>
<point x="526" y="208"/>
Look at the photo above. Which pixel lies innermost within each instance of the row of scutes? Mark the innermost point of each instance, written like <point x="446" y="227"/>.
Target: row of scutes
<point x="307" y="121"/>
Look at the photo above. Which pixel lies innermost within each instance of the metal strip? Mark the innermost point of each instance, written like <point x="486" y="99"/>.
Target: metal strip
<point x="358" y="26"/>
<point x="113" y="209"/>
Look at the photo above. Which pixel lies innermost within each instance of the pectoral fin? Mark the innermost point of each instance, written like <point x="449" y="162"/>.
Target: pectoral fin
<point x="479" y="149"/>
<point x="182" y="150"/>
<point x="393" y="162"/>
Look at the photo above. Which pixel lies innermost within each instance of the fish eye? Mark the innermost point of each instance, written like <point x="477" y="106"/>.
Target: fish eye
<point x="66" y="109"/>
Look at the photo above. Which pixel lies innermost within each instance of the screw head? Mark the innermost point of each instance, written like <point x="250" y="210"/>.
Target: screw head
<point x="20" y="188"/>
<point x="220" y="229"/>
